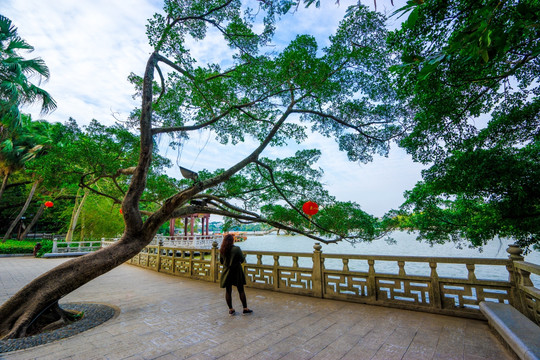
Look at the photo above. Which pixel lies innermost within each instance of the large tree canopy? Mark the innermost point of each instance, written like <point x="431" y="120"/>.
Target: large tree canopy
<point x="271" y="98"/>
<point x="470" y="72"/>
<point x="341" y="91"/>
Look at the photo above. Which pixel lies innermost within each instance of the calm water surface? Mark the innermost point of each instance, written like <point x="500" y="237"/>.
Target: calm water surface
<point x="405" y="245"/>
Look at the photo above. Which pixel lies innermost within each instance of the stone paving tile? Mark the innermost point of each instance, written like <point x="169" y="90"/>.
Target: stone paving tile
<point x="439" y="356"/>
<point x="390" y="352"/>
<point x="423" y="345"/>
<point x="167" y="317"/>
<point x="168" y="356"/>
<point x="417" y="355"/>
<point x="360" y="353"/>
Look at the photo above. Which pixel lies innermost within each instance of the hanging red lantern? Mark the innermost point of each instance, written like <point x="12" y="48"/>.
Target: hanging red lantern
<point x="310" y="208"/>
<point x="49" y="204"/>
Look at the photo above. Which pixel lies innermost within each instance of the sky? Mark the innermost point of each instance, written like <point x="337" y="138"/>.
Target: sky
<point x="91" y="47"/>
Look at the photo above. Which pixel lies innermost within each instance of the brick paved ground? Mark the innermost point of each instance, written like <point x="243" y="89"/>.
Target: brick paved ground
<point x="167" y="317"/>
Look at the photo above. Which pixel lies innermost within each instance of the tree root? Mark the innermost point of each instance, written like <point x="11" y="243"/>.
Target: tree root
<point x="54" y="317"/>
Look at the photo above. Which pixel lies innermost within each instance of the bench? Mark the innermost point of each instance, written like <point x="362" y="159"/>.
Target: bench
<point x="521" y="334"/>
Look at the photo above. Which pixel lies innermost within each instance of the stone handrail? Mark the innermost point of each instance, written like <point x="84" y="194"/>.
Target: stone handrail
<point x="195" y="241"/>
<point x="529" y="295"/>
<point x="407" y="282"/>
<point x="62" y="247"/>
<point x="194" y="263"/>
<point x="429" y="292"/>
<point x="187" y="241"/>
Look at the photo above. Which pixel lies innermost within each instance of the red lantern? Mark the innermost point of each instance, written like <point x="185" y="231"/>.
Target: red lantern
<point x="121" y="212"/>
<point x="310" y="208"/>
<point x="49" y="204"/>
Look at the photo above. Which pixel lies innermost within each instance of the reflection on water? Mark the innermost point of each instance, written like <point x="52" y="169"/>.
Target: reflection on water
<point x="405" y="245"/>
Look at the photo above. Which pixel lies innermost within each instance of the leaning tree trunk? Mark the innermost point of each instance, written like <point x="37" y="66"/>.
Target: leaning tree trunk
<point x="34" y="221"/>
<point x="20" y="314"/>
<point x="75" y="216"/>
<point x="4" y="183"/>
<point x="23" y="210"/>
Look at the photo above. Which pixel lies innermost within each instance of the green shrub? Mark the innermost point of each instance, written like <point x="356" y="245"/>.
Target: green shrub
<point x="17" y="247"/>
<point x="46" y="247"/>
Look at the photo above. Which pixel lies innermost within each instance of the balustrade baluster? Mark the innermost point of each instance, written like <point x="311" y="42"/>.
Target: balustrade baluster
<point x="371" y="281"/>
<point x="517" y="297"/>
<point x="401" y="265"/>
<point x="214" y="265"/>
<point x="317" y="276"/>
<point x="158" y="261"/>
<point x="275" y="272"/>
<point x="345" y="265"/>
<point x="524" y="278"/>
<point x="470" y="268"/>
<point x="435" y="294"/>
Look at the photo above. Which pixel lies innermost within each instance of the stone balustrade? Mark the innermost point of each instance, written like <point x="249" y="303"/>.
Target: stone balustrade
<point x="195" y="241"/>
<point x="62" y="247"/>
<point x="407" y="282"/>
<point x="527" y="295"/>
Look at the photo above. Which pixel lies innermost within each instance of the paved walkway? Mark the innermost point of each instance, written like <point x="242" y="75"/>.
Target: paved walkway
<point x="167" y="317"/>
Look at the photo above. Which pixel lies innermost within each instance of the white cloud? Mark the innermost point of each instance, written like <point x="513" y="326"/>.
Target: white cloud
<point x="90" y="49"/>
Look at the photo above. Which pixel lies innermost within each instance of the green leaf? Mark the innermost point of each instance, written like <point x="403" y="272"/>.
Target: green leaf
<point x="413" y="17"/>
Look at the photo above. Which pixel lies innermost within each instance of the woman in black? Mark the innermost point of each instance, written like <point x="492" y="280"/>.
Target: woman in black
<point x="231" y="258"/>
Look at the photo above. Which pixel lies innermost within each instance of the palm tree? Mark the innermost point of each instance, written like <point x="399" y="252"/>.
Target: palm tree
<point x="15" y="88"/>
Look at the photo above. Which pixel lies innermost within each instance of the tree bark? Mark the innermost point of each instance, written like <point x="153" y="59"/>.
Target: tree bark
<point x="34" y="221"/>
<point x="75" y="217"/>
<point x="23" y="210"/>
<point x="4" y="183"/>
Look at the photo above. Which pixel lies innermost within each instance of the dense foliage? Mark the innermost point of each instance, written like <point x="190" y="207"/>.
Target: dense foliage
<point x="470" y="72"/>
<point x="66" y="158"/>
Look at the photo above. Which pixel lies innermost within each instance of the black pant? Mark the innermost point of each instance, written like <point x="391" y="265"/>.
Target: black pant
<point x="241" y="293"/>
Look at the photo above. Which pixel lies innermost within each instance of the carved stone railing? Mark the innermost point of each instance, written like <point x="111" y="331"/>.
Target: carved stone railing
<point x="199" y="264"/>
<point x="179" y="241"/>
<point x="407" y="282"/>
<point x="187" y="241"/>
<point x="528" y="296"/>
<point x="62" y="247"/>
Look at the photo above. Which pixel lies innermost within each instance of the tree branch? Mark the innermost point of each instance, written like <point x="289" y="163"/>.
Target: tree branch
<point x="175" y="201"/>
<point x="162" y="84"/>
<point x="188" y="210"/>
<point x="339" y="121"/>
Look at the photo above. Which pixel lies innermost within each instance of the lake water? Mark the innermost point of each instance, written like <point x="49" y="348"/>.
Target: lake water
<point x="405" y="245"/>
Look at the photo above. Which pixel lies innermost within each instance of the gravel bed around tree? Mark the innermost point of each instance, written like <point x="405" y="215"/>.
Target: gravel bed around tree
<point x="94" y="315"/>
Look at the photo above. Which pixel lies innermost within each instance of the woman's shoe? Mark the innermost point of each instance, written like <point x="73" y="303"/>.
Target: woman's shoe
<point x="247" y="311"/>
<point x="232" y="312"/>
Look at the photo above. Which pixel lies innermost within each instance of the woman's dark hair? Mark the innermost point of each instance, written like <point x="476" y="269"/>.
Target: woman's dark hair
<point x="226" y="245"/>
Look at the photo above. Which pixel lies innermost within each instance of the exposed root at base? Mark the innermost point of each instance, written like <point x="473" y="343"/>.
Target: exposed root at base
<point x="53" y="318"/>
